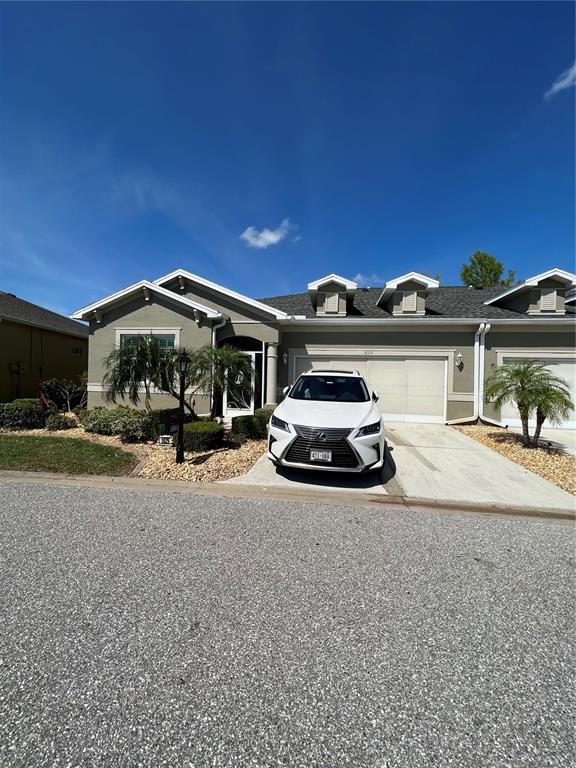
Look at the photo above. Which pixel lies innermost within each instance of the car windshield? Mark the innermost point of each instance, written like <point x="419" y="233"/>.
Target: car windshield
<point x="334" y="389"/>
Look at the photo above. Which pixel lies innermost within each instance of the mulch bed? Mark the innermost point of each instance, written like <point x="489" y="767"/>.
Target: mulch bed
<point x="552" y="464"/>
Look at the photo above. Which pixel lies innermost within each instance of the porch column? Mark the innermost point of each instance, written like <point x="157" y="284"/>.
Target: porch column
<point x="271" y="368"/>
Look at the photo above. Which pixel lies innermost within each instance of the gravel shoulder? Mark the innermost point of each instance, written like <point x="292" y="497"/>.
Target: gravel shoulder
<point x="146" y="629"/>
<point x="554" y="465"/>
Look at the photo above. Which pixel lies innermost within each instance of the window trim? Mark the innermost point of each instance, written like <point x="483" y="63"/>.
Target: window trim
<point x="147" y="332"/>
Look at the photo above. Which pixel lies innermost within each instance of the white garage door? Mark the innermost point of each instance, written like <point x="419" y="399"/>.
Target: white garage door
<point x="410" y="389"/>
<point x="565" y="369"/>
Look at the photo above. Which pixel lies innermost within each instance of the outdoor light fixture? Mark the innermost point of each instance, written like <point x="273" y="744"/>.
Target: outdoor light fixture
<point x="458" y="359"/>
<point x="183" y="364"/>
<point x="285" y="357"/>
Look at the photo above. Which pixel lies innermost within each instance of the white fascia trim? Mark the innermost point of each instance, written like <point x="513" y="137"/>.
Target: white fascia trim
<point x="429" y="283"/>
<point x="82" y="313"/>
<point x="559" y="274"/>
<point x="427" y="321"/>
<point x="350" y="285"/>
<point x="278" y="314"/>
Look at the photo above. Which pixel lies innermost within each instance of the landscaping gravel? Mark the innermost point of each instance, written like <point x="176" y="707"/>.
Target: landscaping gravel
<point x="151" y="629"/>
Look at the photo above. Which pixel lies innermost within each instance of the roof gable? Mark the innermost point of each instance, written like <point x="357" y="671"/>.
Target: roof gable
<point x="143" y="286"/>
<point x="427" y="283"/>
<point x="239" y="297"/>
<point x="568" y="278"/>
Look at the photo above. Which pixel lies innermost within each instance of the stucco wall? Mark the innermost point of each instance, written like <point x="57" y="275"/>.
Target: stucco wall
<point x="138" y="313"/>
<point x="220" y="302"/>
<point x="42" y="354"/>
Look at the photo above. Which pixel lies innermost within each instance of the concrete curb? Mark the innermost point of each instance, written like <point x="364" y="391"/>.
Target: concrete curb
<point x="339" y="498"/>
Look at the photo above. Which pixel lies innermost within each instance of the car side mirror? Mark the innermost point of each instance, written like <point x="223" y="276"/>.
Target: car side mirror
<point x="285" y="391"/>
<point x="375" y="396"/>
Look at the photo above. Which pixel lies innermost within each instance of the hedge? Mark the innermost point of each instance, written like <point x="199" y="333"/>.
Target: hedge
<point x="23" y="413"/>
<point x="132" y="426"/>
<point x="203" y="435"/>
<point x="58" y="421"/>
<point x="252" y="427"/>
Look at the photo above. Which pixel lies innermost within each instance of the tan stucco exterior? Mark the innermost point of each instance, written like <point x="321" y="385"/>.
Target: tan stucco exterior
<point x="29" y="354"/>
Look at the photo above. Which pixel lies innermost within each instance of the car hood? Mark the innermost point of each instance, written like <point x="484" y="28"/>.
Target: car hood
<point x="312" y="413"/>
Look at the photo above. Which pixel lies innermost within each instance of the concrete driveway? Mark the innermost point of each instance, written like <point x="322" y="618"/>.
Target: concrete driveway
<point x="430" y="461"/>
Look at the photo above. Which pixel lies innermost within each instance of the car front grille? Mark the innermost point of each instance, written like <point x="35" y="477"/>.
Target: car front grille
<point x="334" y="440"/>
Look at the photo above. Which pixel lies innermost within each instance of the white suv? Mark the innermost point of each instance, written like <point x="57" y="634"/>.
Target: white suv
<point x="329" y="420"/>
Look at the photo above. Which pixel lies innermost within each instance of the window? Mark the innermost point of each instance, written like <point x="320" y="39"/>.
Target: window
<point x="336" y="389"/>
<point x="165" y="340"/>
<point x="548" y="300"/>
<point x="410" y="301"/>
<point x="76" y="351"/>
<point x="331" y="303"/>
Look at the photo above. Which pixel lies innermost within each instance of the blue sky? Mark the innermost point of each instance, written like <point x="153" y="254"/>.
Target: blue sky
<point x="263" y="145"/>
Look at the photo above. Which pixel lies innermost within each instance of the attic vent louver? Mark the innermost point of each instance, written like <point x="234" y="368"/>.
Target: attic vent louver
<point x="548" y="300"/>
<point x="410" y="301"/>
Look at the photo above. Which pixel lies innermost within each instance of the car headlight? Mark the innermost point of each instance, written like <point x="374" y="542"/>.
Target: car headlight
<point x="279" y="424"/>
<point x="369" y="429"/>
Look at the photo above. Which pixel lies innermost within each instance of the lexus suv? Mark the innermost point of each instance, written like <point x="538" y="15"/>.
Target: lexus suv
<point x="329" y="420"/>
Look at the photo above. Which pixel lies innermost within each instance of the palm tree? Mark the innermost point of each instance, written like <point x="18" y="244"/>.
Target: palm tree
<point x="143" y="363"/>
<point x="220" y="369"/>
<point x="554" y="404"/>
<point x="529" y="385"/>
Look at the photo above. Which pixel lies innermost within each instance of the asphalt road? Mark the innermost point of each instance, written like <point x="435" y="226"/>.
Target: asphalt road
<point x="153" y="629"/>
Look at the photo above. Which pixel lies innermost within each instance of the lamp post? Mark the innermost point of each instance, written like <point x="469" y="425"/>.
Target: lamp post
<point x="183" y="363"/>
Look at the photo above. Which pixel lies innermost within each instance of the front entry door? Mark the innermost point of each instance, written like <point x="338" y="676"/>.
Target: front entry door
<point x="239" y="401"/>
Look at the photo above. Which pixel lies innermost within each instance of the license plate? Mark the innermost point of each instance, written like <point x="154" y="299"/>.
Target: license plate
<point x="320" y="455"/>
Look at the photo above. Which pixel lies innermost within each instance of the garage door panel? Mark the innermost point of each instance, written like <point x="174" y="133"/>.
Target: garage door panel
<point x="388" y="377"/>
<point x="425" y="387"/>
<point x="410" y="389"/>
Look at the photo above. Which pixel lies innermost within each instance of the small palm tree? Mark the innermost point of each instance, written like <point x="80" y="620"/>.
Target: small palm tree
<point x="530" y="386"/>
<point x="220" y="369"/>
<point x="143" y="363"/>
<point x="554" y="404"/>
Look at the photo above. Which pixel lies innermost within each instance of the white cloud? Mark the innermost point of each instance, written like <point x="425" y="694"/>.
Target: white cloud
<point x="566" y="80"/>
<point x="366" y="281"/>
<point x="267" y="237"/>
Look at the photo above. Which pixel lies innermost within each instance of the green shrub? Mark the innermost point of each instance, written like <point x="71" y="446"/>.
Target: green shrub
<point x="23" y="413"/>
<point x="203" y="435"/>
<point x="166" y="420"/>
<point x="80" y="412"/>
<point x="58" y="421"/>
<point x="103" y="421"/>
<point x="132" y="426"/>
<point x="252" y="427"/>
<point x="137" y="427"/>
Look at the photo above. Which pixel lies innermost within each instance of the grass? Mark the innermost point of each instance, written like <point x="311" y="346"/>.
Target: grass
<point x="63" y="454"/>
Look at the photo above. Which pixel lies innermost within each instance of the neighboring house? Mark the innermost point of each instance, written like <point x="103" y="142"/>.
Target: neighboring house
<point x="425" y="348"/>
<point x="37" y="344"/>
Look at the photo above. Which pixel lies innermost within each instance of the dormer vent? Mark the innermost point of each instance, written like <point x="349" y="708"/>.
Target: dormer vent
<point x="548" y="300"/>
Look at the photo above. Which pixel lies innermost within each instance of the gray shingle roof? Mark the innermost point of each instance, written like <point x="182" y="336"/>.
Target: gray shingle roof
<point x="447" y="301"/>
<point x="20" y="311"/>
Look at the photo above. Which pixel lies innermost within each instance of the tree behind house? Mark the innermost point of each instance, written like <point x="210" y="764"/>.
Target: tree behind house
<point x="482" y="271"/>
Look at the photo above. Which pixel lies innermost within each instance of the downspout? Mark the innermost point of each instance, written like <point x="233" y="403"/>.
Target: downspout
<point x="481" y="415"/>
<point x="477" y="377"/>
